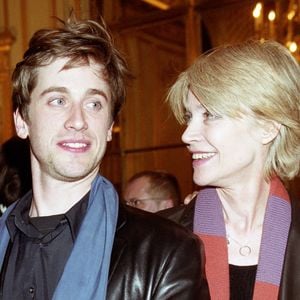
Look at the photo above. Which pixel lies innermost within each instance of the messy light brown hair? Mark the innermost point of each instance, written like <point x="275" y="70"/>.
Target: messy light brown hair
<point x="82" y="42"/>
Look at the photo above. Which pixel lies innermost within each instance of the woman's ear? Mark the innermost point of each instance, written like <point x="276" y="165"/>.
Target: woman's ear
<point x="20" y="125"/>
<point x="270" y="130"/>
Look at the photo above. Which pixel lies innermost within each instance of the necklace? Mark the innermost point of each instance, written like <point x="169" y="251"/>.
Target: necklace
<point x="244" y="250"/>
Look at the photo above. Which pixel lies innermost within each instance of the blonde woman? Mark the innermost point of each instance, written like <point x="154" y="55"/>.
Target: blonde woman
<point x="240" y="104"/>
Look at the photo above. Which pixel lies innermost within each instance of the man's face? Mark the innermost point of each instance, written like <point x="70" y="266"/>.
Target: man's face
<point x="138" y="194"/>
<point x="69" y="121"/>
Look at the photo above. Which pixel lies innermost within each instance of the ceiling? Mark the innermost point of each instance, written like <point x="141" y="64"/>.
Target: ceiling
<point x="168" y="4"/>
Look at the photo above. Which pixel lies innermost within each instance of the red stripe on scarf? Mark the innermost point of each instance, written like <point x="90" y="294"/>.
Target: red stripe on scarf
<point x="217" y="270"/>
<point x="277" y="189"/>
<point x="264" y="291"/>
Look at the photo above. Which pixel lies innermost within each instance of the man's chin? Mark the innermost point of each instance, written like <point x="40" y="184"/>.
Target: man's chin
<point x="73" y="176"/>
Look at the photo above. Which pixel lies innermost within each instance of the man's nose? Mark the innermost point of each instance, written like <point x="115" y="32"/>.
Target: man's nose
<point x="76" y="119"/>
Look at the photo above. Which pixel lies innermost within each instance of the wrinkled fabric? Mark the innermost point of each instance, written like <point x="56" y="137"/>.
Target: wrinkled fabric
<point x="155" y="259"/>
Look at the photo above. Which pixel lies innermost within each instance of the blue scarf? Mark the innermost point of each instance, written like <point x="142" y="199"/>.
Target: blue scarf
<point x="85" y="274"/>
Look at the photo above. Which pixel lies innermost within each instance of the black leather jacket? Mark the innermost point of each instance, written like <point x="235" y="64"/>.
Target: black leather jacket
<point x="154" y="258"/>
<point x="290" y="279"/>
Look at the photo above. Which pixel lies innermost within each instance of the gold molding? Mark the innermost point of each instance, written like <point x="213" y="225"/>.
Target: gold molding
<point x="6" y="124"/>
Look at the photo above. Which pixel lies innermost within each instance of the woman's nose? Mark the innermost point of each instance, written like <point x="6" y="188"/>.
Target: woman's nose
<point x="193" y="132"/>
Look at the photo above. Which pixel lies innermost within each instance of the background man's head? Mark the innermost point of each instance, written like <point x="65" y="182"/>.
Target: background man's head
<point x="152" y="191"/>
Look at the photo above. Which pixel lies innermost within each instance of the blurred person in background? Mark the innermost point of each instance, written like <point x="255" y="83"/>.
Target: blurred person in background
<point x="152" y="191"/>
<point x="15" y="172"/>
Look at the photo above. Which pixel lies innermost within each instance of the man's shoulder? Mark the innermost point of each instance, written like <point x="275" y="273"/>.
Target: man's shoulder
<point x="147" y="225"/>
<point x="164" y="258"/>
<point x="146" y="233"/>
<point x="183" y="214"/>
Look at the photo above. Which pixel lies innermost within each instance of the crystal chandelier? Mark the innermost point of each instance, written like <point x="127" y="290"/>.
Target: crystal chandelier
<point x="279" y="20"/>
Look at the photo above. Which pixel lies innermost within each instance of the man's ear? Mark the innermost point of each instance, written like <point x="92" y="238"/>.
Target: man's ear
<point x="270" y="130"/>
<point x="20" y="125"/>
<point x="110" y="132"/>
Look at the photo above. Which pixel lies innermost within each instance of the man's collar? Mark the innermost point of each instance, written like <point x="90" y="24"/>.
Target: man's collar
<point x="19" y="217"/>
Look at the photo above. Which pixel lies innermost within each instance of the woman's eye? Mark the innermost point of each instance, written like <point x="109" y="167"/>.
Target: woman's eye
<point x="209" y="116"/>
<point x="187" y="117"/>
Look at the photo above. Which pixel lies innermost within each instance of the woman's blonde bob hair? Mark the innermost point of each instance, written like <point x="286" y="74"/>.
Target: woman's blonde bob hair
<point x="259" y="79"/>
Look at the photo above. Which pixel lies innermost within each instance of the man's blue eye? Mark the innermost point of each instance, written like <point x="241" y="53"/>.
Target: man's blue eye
<point x="57" y="101"/>
<point x="94" y="105"/>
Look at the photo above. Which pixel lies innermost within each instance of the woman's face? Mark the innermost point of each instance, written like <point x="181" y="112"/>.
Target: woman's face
<point x="225" y="151"/>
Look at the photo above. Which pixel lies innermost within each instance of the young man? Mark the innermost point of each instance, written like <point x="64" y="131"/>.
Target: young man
<point x="68" y="238"/>
<point x="152" y="191"/>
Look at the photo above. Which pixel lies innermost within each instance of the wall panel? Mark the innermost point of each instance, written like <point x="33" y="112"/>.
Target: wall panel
<point x="150" y="136"/>
<point x="174" y="160"/>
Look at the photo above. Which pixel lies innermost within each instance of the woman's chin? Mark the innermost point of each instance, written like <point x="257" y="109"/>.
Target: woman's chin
<point x="200" y="180"/>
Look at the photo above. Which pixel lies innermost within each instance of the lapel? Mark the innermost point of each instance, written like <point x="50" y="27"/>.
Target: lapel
<point x="120" y="242"/>
<point x="290" y="280"/>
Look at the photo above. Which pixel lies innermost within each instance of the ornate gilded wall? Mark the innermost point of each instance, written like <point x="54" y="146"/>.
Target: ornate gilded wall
<point x="158" y="45"/>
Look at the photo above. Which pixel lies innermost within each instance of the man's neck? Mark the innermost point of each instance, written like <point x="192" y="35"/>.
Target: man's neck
<point x="53" y="197"/>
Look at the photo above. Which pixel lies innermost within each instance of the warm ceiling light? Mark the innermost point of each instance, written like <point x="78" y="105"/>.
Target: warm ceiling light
<point x="293" y="47"/>
<point x="257" y="10"/>
<point x="272" y="15"/>
<point x="281" y="24"/>
<point x="159" y="4"/>
<point x="291" y="14"/>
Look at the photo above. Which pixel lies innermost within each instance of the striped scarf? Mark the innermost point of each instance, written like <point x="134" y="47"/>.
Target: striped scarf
<point x="210" y="227"/>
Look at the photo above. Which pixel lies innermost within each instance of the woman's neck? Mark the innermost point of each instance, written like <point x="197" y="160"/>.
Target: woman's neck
<point x="244" y="210"/>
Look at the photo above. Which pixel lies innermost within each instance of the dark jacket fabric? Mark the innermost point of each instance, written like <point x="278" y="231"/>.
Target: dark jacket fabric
<point x="290" y="279"/>
<point x="155" y="259"/>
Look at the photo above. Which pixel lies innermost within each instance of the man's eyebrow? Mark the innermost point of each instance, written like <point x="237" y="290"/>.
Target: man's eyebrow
<point x="61" y="89"/>
<point x="91" y="92"/>
<point x="51" y="89"/>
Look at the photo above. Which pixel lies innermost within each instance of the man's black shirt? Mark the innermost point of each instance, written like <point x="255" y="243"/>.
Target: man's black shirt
<point x="38" y="250"/>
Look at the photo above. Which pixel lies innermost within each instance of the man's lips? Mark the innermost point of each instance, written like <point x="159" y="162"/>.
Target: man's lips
<point x="75" y="146"/>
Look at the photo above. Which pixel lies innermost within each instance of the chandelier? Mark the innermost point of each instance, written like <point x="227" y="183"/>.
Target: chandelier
<point x="279" y="20"/>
